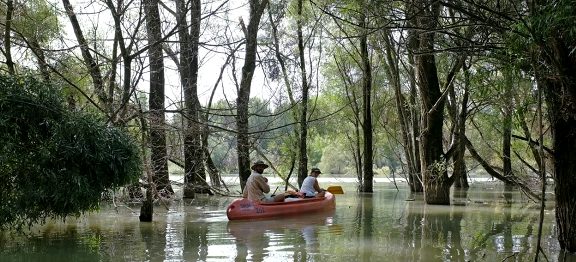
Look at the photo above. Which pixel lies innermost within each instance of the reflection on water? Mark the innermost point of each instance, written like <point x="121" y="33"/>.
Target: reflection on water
<point x="257" y="240"/>
<point x="485" y="223"/>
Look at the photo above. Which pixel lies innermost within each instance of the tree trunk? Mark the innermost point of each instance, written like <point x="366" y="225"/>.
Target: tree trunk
<point x="358" y="155"/>
<point x="41" y="57"/>
<point x="367" y="182"/>
<point x="303" y="161"/>
<point x="243" y="140"/>
<point x="119" y="114"/>
<point x="435" y="177"/>
<point x="460" y="174"/>
<point x="564" y="140"/>
<point x="195" y="176"/>
<point x="89" y="61"/>
<point x="147" y="208"/>
<point x="215" y="178"/>
<point x="415" y="173"/>
<point x="555" y="67"/>
<point x="7" y="37"/>
<point x="156" y="101"/>
<point x="507" y="109"/>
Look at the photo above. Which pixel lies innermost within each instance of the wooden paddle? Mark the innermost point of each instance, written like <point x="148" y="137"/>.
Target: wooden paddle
<point x="335" y="190"/>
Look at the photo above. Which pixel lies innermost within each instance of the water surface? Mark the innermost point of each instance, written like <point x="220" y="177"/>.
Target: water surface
<point x="483" y="224"/>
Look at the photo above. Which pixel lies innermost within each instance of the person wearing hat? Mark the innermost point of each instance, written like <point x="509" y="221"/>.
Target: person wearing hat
<point x="310" y="187"/>
<point x="257" y="185"/>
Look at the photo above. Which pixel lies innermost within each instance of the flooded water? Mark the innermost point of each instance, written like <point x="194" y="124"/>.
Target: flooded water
<point x="483" y="224"/>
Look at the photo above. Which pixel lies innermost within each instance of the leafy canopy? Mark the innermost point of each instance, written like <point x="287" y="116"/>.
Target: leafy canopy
<point x="55" y="162"/>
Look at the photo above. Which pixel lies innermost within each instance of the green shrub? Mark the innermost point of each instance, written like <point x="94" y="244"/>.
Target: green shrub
<point x="55" y="162"/>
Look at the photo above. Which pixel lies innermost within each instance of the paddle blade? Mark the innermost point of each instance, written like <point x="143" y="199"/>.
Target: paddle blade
<point x="335" y="190"/>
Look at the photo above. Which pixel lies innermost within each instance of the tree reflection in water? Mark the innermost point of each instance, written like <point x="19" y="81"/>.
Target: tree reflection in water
<point x="364" y="217"/>
<point x="152" y="234"/>
<point x="485" y="223"/>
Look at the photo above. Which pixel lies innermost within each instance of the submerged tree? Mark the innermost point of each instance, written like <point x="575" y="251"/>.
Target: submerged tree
<point x="157" y="118"/>
<point x="553" y="58"/>
<point x="188" y="67"/>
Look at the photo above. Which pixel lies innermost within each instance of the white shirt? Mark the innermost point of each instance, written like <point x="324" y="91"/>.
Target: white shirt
<point x="307" y="187"/>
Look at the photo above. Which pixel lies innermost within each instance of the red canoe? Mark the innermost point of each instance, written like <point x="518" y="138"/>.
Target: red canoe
<point x="243" y="208"/>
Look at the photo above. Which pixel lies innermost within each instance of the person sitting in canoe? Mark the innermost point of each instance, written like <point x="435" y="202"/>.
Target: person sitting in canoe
<point x="310" y="187"/>
<point x="257" y="186"/>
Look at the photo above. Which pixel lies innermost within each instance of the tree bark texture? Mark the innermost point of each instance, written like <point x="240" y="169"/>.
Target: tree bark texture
<point x="368" y="181"/>
<point x="415" y="173"/>
<point x="555" y="65"/>
<point x="564" y="139"/>
<point x="563" y="118"/>
<point x="195" y="177"/>
<point x="213" y="172"/>
<point x="303" y="161"/>
<point x="243" y="138"/>
<point x="435" y="177"/>
<point x="156" y="101"/>
<point x="460" y="173"/>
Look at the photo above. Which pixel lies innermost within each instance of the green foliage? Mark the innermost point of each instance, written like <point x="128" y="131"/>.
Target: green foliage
<point x="73" y="69"/>
<point x="55" y="163"/>
<point x="548" y="21"/>
<point x="36" y="19"/>
<point x="554" y="19"/>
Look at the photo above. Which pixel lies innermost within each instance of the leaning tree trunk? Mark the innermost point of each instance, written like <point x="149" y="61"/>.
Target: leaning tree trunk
<point x="303" y="162"/>
<point x="41" y="57"/>
<point x="243" y="139"/>
<point x="156" y="101"/>
<point x="89" y="60"/>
